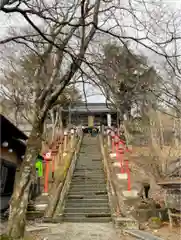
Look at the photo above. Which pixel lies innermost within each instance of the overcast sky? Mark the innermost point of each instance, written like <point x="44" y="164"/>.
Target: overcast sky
<point x="6" y="22"/>
<point x="175" y="4"/>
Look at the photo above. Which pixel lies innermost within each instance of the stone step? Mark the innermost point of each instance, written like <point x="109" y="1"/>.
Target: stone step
<point x="78" y="188"/>
<point x="86" y="164"/>
<point x="85" y="204"/>
<point x="96" y="185"/>
<point x="88" y="181"/>
<point x="88" y="189"/>
<point x="89" y="158"/>
<point x="88" y="193"/>
<point x="90" y="155"/>
<point x="142" y="235"/>
<point x="91" y="210"/>
<point x="89" y="166"/>
<point x="90" y="151"/>
<point x="98" y="176"/>
<point x="94" y="177"/>
<point x="85" y="171"/>
<point x="87" y="215"/>
<point x="78" y="196"/>
<point x="88" y="201"/>
<point x="90" y="220"/>
<point x="90" y="173"/>
<point x="85" y="168"/>
<point x="31" y="207"/>
<point x="32" y="215"/>
<point x="89" y="170"/>
<point x="97" y="191"/>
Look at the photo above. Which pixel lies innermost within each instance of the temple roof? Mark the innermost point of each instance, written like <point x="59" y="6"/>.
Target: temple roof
<point x="91" y="107"/>
<point x="10" y="133"/>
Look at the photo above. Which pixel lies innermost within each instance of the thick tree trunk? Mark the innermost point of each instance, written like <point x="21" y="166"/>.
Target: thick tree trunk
<point x="19" y="201"/>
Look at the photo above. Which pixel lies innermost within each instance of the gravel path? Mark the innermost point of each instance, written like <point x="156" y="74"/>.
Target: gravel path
<point x="80" y="231"/>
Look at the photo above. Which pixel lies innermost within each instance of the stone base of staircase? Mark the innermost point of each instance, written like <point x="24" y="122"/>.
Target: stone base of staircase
<point x="37" y="208"/>
<point x="142" y="235"/>
<point x="126" y="223"/>
<point x="57" y="219"/>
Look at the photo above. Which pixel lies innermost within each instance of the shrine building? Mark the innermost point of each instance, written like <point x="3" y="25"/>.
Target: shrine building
<point x="90" y="114"/>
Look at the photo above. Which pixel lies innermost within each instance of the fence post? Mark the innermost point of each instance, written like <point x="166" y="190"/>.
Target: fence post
<point x="72" y="131"/>
<point x="108" y="138"/>
<point x="65" y="141"/>
<point x="53" y="168"/>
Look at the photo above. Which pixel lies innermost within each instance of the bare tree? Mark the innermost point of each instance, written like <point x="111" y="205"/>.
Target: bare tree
<point x="67" y="33"/>
<point x="131" y="84"/>
<point x="63" y="67"/>
<point x="18" y="92"/>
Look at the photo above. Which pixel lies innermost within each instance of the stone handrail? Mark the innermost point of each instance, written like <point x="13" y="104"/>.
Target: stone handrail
<point x="67" y="180"/>
<point x="113" y="198"/>
<point x="63" y="185"/>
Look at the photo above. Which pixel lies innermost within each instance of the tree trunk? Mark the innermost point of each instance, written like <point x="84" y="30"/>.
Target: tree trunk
<point x="161" y="130"/>
<point x="159" y="167"/>
<point x="19" y="201"/>
<point x="61" y="119"/>
<point x="175" y="130"/>
<point x="53" y="124"/>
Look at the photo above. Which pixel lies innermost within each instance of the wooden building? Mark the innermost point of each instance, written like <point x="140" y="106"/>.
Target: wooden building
<point x="88" y="114"/>
<point x="13" y="148"/>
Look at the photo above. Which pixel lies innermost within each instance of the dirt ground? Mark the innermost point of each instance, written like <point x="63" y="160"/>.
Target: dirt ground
<point x="79" y="231"/>
<point x="72" y="231"/>
<point x="55" y="231"/>
<point x="166" y="233"/>
<point x="97" y="232"/>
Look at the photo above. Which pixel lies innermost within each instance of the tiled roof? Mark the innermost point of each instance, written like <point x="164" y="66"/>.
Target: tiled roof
<point x="91" y="107"/>
<point x="8" y="128"/>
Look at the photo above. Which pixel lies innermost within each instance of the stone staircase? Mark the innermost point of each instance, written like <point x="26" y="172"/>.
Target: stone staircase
<point x="87" y="199"/>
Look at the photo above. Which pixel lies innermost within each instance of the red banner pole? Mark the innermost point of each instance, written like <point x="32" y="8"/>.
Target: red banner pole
<point x="53" y="167"/>
<point x="128" y="173"/>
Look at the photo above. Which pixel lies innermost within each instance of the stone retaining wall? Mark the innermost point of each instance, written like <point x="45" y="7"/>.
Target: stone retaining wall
<point x="68" y="177"/>
<point x="119" y="210"/>
<point x="65" y="176"/>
